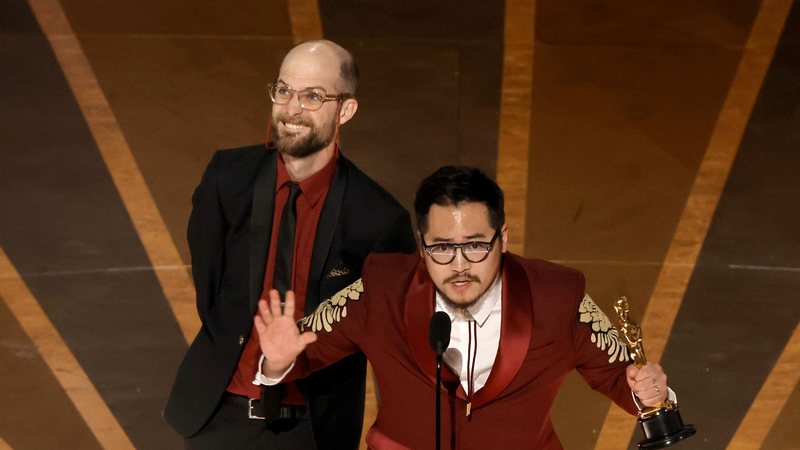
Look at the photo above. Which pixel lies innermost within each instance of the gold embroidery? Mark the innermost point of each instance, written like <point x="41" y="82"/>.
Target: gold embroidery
<point x="338" y="270"/>
<point x="604" y="335"/>
<point x="332" y="310"/>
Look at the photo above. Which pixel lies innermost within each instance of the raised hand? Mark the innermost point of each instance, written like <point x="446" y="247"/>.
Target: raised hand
<point x="278" y="335"/>
<point x="649" y="383"/>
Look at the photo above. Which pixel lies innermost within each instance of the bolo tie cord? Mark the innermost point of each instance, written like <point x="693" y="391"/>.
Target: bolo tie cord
<point x="472" y="356"/>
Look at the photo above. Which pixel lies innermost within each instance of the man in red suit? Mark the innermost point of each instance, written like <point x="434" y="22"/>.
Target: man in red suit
<point x="519" y="326"/>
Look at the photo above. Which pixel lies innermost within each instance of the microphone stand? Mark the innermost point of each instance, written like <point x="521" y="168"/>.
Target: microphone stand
<point x="439" y="338"/>
<point x="438" y="402"/>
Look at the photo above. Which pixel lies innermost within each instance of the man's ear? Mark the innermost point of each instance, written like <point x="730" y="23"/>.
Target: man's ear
<point x="504" y="238"/>
<point x="348" y="110"/>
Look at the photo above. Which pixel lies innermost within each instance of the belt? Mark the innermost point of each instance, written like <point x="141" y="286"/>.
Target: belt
<point x="255" y="408"/>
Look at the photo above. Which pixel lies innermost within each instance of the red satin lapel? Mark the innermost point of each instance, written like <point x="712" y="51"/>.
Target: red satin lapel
<point x="515" y="333"/>
<point x="418" y="311"/>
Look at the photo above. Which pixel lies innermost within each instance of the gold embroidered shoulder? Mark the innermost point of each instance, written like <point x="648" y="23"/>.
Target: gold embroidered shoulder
<point x="332" y="310"/>
<point x="604" y="335"/>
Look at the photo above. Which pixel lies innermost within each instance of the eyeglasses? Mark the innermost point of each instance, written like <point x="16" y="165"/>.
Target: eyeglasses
<point x="310" y="99"/>
<point x="473" y="252"/>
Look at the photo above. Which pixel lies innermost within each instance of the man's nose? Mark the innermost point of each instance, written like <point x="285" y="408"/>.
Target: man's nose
<point x="293" y="108"/>
<point x="460" y="263"/>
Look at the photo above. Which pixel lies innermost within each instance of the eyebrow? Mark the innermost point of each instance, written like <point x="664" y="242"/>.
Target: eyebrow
<point x="469" y="238"/>
<point x="305" y="89"/>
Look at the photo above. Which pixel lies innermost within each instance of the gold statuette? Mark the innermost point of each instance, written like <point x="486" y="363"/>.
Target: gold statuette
<point x="662" y="425"/>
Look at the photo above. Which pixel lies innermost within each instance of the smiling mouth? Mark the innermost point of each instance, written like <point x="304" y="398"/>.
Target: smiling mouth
<point x="294" y="127"/>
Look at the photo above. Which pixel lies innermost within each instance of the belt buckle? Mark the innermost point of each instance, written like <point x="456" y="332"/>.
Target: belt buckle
<point x="250" y="414"/>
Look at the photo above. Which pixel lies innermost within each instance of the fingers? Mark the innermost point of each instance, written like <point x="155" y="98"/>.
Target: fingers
<point x="631" y="372"/>
<point x="280" y="307"/>
<point x="288" y="306"/>
<point x="275" y="303"/>
<point x="649" y="394"/>
<point x="268" y="311"/>
<point x="308" y="337"/>
<point x="649" y="383"/>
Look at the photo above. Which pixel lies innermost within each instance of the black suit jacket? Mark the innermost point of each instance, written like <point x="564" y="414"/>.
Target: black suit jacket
<point x="229" y="235"/>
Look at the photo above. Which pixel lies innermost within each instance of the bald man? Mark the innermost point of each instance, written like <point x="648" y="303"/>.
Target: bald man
<point x="291" y="213"/>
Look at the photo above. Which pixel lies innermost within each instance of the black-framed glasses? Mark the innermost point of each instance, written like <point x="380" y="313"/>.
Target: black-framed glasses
<point x="310" y="99"/>
<point x="445" y="252"/>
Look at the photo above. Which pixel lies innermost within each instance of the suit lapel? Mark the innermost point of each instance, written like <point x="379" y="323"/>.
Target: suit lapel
<point x="261" y="223"/>
<point x="418" y="309"/>
<point x="515" y="333"/>
<point x="326" y="229"/>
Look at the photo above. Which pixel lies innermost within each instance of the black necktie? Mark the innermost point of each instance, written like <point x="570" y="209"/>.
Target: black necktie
<point x="282" y="276"/>
<point x="282" y="281"/>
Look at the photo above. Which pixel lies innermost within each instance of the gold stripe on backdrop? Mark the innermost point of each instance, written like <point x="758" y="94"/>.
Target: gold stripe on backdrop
<point x="62" y="363"/>
<point x="161" y="250"/>
<point x="771" y="399"/>
<point x="513" y="143"/>
<point x="305" y="20"/>
<point x="4" y="445"/>
<point x="702" y="201"/>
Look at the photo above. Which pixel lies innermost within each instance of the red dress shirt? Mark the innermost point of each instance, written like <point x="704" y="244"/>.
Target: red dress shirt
<point x="309" y="208"/>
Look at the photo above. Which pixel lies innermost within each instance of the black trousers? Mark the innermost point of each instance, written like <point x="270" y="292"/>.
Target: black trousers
<point x="231" y="429"/>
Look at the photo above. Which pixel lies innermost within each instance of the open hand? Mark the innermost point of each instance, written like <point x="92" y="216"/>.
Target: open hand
<point x="278" y="335"/>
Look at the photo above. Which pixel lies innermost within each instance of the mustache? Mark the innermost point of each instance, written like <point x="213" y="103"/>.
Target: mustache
<point x="298" y="120"/>
<point x="464" y="276"/>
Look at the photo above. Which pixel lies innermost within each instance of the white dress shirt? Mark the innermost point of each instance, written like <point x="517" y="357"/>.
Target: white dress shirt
<point x="487" y="313"/>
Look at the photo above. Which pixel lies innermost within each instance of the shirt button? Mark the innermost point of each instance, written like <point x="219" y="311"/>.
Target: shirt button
<point x="241" y="339"/>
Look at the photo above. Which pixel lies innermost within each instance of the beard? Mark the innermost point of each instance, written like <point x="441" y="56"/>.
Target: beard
<point x="296" y="146"/>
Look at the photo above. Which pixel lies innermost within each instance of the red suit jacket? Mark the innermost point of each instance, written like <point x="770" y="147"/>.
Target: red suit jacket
<point x="548" y="329"/>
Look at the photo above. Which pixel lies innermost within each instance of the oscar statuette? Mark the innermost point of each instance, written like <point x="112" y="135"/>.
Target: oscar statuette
<point x="662" y="425"/>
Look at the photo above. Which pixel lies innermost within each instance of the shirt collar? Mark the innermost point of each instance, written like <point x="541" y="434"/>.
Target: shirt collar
<point x="314" y="187"/>
<point x="480" y="310"/>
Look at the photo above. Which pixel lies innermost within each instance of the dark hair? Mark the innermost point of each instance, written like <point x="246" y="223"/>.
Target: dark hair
<point x="348" y="71"/>
<point x="452" y="185"/>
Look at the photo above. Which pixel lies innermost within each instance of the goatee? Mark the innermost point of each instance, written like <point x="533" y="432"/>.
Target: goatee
<point x="461" y="277"/>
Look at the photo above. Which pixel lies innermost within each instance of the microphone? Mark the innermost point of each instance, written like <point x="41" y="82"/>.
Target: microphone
<point x="439" y="338"/>
<point x="439" y="333"/>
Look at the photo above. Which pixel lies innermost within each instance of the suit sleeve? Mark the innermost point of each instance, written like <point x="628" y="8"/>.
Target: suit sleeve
<point x="601" y="359"/>
<point x="339" y="324"/>
<point x="206" y="234"/>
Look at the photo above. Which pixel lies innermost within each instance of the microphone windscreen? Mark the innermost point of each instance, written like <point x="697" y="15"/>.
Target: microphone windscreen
<point x="439" y="332"/>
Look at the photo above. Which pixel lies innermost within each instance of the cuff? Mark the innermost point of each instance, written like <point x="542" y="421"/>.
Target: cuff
<point x="267" y="381"/>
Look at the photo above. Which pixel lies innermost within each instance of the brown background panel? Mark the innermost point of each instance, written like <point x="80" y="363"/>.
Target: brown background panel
<point x="625" y="98"/>
<point x="430" y="85"/>
<point x="122" y="332"/>
<point x="402" y="134"/>
<point x="242" y="17"/>
<point x="715" y="23"/>
<point x="178" y="99"/>
<point x="32" y="397"/>
<point x="184" y="80"/>
<point x="784" y="433"/>
<point x="741" y="305"/>
<point x="617" y="135"/>
<point x="64" y="228"/>
<point x="451" y="20"/>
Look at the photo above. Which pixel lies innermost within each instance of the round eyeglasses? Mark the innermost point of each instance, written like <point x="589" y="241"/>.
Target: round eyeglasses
<point x="445" y="252"/>
<point x="310" y="99"/>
